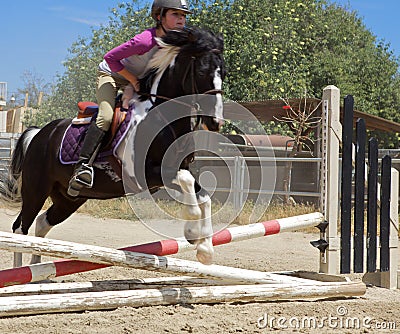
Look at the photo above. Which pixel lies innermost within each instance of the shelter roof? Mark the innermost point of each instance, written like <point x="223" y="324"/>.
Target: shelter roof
<point x="270" y="110"/>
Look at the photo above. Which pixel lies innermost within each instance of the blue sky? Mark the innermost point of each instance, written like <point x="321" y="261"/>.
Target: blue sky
<point x="36" y="34"/>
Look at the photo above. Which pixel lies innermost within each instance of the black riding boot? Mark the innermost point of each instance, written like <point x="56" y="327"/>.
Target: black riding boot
<point x="83" y="173"/>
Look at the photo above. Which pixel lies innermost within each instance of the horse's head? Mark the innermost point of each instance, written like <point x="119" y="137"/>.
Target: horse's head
<point x="192" y="64"/>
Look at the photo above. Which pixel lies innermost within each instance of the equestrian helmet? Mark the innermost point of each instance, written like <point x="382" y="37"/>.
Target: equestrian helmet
<point x="158" y="5"/>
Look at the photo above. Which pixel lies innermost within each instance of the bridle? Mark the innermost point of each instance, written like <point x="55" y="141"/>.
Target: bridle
<point x="195" y="104"/>
<point x="190" y="69"/>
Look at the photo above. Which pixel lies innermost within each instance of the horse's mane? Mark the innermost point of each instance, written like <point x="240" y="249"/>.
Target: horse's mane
<point x="163" y="57"/>
<point x="189" y="41"/>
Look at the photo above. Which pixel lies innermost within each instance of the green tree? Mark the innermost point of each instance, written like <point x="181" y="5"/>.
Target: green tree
<point x="281" y="48"/>
<point x="273" y="49"/>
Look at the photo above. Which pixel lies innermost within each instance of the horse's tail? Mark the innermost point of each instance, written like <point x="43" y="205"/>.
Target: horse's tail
<point x="10" y="181"/>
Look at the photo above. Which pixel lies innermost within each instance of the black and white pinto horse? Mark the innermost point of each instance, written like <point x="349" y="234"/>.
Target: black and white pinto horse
<point x="188" y="62"/>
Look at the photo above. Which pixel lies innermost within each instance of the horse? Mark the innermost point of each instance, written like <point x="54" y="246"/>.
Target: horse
<point x="188" y="63"/>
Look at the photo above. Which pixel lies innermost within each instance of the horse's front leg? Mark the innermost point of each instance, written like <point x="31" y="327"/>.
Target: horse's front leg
<point x="197" y="212"/>
<point x="205" y="249"/>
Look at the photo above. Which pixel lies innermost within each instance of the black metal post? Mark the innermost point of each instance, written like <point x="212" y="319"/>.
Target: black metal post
<point x="385" y="212"/>
<point x="359" y="196"/>
<point x="372" y="207"/>
<point x="347" y="134"/>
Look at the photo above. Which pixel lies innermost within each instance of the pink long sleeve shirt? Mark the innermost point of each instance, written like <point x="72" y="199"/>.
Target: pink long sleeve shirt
<point x="132" y="55"/>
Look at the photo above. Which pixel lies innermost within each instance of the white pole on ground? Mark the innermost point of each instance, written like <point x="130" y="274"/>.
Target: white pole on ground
<point x="74" y="302"/>
<point x="48" y="270"/>
<point x="103" y="255"/>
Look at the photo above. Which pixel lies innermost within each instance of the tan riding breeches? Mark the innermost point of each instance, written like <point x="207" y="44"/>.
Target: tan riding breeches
<point x="107" y="88"/>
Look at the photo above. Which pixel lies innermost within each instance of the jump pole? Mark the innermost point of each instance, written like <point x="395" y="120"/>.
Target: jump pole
<point x="74" y="302"/>
<point x="107" y="285"/>
<point x="43" y="271"/>
<point x="103" y="255"/>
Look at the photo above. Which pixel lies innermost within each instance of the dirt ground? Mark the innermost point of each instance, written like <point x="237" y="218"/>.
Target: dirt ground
<point x="379" y="309"/>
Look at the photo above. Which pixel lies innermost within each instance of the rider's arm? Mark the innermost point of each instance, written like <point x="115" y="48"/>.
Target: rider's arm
<point x="131" y="78"/>
<point x="138" y="45"/>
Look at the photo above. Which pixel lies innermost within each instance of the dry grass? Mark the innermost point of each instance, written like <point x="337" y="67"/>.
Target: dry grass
<point x="120" y="209"/>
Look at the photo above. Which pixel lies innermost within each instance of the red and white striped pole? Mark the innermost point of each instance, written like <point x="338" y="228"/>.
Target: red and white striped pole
<point x="43" y="271"/>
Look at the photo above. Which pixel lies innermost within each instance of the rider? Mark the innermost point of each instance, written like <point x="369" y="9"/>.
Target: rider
<point x="122" y="66"/>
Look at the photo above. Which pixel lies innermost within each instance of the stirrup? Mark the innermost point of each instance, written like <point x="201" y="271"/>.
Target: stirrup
<point x="84" y="176"/>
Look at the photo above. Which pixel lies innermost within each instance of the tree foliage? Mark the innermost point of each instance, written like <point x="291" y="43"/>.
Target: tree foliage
<point x="273" y="49"/>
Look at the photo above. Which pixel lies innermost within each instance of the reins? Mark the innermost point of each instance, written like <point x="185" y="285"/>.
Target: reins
<point x="157" y="96"/>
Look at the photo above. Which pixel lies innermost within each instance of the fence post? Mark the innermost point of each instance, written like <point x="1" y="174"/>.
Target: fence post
<point x="359" y="194"/>
<point x="394" y="231"/>
<point x="346" y="185"/>
<point x="238" y="182"/>
<point x="385" y="213"/>
<point x="388" y="270"/>
<point x="387" y="276"/>
<point x="331" y="136"/>
<point x="372" y="206"/>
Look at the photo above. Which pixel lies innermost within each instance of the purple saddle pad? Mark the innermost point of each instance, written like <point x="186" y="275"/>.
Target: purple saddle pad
<point x="73" y="138"/>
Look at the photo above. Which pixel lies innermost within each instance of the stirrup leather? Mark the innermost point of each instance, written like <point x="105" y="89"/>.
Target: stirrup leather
<point x="84" y="176"/>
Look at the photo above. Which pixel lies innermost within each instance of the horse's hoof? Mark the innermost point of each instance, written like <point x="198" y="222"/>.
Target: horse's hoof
<point x="203" y="258"/>
<point x="204" y="254"/>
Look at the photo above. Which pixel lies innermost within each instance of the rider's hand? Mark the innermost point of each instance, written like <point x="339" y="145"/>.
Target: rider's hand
<point x="136" y="85"/>
<point x="131" y="78"/>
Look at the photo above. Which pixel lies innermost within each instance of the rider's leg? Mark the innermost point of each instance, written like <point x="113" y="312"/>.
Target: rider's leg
<point x="83" y="175"/>
<point x="106" y="91"/>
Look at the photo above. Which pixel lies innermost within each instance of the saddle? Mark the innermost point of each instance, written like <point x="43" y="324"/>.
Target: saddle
<point x="87" y="111"/>
<point x="74" y="134"/>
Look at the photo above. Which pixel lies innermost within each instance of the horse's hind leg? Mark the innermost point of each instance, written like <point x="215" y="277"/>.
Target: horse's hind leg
<point x="16" y="229"/>
<point x="61" y="209"/>
<point x="197" y="212"/>
<point x="25" y="219"/>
